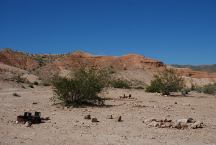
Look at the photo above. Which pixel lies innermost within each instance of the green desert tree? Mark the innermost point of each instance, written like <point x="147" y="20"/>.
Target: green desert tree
<point x="166" y="82"/>
<point x="81" y="88"/>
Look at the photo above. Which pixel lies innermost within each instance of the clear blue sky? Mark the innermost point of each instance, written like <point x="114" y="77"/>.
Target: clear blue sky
<point x="174" y="31"/>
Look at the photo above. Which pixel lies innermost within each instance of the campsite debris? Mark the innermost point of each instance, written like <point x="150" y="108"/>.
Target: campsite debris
<point x="189" y="123"/>
<point x="28" y="119"/>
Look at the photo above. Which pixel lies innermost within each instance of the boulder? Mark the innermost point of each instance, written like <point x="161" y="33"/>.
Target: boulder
<point x="154" y="124"/>
<point x="196" y="125"/>
<point x="88" y="117"/>
<point x="119" y="119"/>
<point x="94" y="120"/>
<point x="28" y="124"/>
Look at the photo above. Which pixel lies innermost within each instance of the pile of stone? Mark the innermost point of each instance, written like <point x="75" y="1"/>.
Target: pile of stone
<point x="189" y="123"/>
<point x="88" y="117"/>
<point x="126" y="97"/>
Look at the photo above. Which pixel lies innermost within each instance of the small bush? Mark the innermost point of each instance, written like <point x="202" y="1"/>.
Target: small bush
<point x="209" y="89"/>
<point x="155" y="87"/>
<point x="82" y="88"/>
<point x="166" y="82"/>
<point x="118" y="83"/>
<point x="139" y="87"/>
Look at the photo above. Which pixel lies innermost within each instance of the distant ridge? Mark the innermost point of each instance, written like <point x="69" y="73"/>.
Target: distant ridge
<point x="206" y="68"/>
<point x="46" y="65"/>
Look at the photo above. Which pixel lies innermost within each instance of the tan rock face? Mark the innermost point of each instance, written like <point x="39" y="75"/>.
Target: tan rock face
<point x="59" y="64"/>
<point x="18" y="59"/>
<point x="129" y="62"/>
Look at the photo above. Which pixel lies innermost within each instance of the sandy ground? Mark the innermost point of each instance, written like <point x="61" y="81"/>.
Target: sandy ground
<point x="68" y="126"/>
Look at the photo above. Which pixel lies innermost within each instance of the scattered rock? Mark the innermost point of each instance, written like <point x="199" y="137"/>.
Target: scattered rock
<point x="147" y="121"/>
<point x="178" y="124"/>
<point x="119" y="119"/>
<point x="154" y="124"/>
<point x="167" y="125"/>
<point x="16" y="95"/>
<point x="87" y="117"/>
<point x="94" y="120"/>
<point x="186" y="104"/>
<point x="109" y="117"/>
<point x="28" y="124"/>
<point x="191" y="120"/>
<point x="197" y="124"/>
<point x="182" y="121"/>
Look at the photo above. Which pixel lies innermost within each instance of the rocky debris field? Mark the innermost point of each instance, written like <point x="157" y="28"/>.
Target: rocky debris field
<point x="144" y="118"/>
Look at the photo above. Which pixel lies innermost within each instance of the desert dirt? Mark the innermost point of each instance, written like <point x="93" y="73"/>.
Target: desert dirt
<point x="67" y="126"/>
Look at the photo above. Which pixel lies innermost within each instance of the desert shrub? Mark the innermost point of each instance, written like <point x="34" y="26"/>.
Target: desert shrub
<point x="166" y="82"/>
<point x="139" y="87"/>
<point x="83" y="87"/>
<point x="156" y="86"/>
<point x="209" y="89"/>
<point x="118" y="83"/>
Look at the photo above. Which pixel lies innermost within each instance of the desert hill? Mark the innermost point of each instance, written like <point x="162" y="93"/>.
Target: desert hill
<point x="46" y="65"/>
<point x="206" y="68"/>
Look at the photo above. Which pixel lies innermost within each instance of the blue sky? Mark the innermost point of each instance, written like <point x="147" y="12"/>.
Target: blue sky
<point x="174" y="31"/>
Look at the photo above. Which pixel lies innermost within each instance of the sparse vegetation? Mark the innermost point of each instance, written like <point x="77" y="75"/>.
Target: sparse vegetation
<point x="82" y="88"/>
<point x="166" y="82"/>
<point x="139" y="87"/>
<point x="118" y="83"/>
<point x="207" y="89"/>
<point x="210" y="89"/>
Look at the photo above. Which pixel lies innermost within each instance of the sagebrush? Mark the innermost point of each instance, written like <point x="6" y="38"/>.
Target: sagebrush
<point x="119" y="83"/>
<point x="81" y="88"/>
<point x="166" y="82"/>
